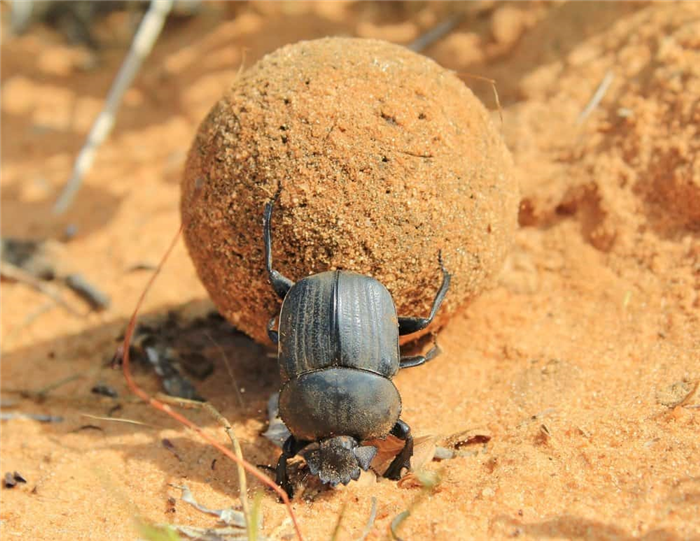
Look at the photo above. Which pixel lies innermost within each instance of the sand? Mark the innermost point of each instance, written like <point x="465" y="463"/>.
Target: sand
<point x="582" y="363"/>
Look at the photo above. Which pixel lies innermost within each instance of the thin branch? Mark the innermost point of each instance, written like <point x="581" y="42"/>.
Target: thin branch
<point x="12" y="272"/>
<point x="195" y="404"/>
<point x="242" y="482"/>
<point x="141" y="46"/>
<point x="124" y="354"/>
<point x="436" y="33"/>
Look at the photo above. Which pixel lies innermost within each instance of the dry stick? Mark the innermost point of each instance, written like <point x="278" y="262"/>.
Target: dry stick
<point x="597" y="96"/>
<point x="117" y="420"/>
<point x="12" y="272"/>
<point x="41" y="393"/>
<point x="242" y="482"/>
<point x="436" y="33"/>
<point x="175" y="415"/>
<point x="141" y="46"/>
<point x="195" y="404"/>
<point x="372" y="518"/>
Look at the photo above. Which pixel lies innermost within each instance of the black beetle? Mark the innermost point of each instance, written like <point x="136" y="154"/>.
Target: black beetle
<point x="338" y="348"/>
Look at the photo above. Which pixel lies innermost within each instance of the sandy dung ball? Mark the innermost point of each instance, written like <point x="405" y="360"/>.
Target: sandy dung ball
<point x="383" y="158"/>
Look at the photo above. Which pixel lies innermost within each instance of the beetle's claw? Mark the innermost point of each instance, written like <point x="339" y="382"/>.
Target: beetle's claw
<point x="287" y="487"/>
<point x="394" y="470"/>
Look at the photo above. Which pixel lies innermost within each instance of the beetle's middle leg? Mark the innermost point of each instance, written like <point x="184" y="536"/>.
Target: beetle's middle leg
<point x="403" y="460"/>
<point x="417" y="360"/>
<point x="409" y="325"/>
<point x="281" y="284"/>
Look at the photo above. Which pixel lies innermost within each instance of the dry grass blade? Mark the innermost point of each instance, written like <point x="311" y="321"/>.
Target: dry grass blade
<point x="597" y="96"/>
<point x="429" y="480"/>
<point x="372" y="518"/>
<point x="161" y="532"/>
<point x="243" y="485"/>
<point x="492" y="82"/>
<point x="124" y="354"/>
<point x="398" y="520"/>
<point x="227" y="364"/>
<point x="116" y="420"/>
<point x="339" y="522"/>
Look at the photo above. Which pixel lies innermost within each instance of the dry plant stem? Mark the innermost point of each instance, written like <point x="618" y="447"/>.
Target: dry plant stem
<point x="339" y="522"/>
<point x="145" y="38"/>
<point x="42" y="393"/>
<point x="117" y="420"/>
<point x="175" y="415"/>
<point x="55" y="385"/>
<point x="242" y="482"/>
<point x="492" y="82"/>
<point x="597" y="96"/>
<point x="12" y="272"/>
<point x="436" y="33"/>
<point x="370" y="521"/>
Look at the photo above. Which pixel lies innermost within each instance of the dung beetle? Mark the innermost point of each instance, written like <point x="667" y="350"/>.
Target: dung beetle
<point x="338" y="348"/>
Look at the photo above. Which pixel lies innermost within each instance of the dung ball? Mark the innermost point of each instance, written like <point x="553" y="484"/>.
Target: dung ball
<point x="381" y="158"/>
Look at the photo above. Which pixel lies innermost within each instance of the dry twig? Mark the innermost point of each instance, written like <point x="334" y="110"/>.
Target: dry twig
<point x="597" y="96"/>
<point x="141" y="46"/>
<point x="436" y="33"/>
<point x="157" y="404"/>
<point x="12" y="272"/>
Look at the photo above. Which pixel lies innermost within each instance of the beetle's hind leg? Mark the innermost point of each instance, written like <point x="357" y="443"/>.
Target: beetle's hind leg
<point x="272" y="333"/>
<point x="409" y="325"/>
<point x="281" y="284"/>
<point x="403" y="460"/>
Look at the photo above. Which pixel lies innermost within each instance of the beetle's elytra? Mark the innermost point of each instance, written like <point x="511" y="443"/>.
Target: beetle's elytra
<point x="338" y="349"/>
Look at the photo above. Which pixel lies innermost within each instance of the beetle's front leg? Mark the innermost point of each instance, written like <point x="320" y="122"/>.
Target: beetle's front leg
<point x="281" y="284"/>
<point x="403" y="460"/>
<point x="290" y="449"/>
<point x="417" y="360"/>
<point x="409" y="325"/>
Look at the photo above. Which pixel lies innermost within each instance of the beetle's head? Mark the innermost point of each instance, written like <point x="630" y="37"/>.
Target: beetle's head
<point x="338" y="459"/>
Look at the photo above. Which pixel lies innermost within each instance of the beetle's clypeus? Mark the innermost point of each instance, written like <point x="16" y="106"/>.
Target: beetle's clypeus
<point x="338" y="348"/>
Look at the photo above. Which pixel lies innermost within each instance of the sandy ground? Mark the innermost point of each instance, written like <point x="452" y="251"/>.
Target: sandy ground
<point x="583" y="364"/>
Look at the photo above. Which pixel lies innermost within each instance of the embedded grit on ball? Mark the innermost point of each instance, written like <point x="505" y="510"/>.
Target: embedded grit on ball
<point x="383" y="158"/>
